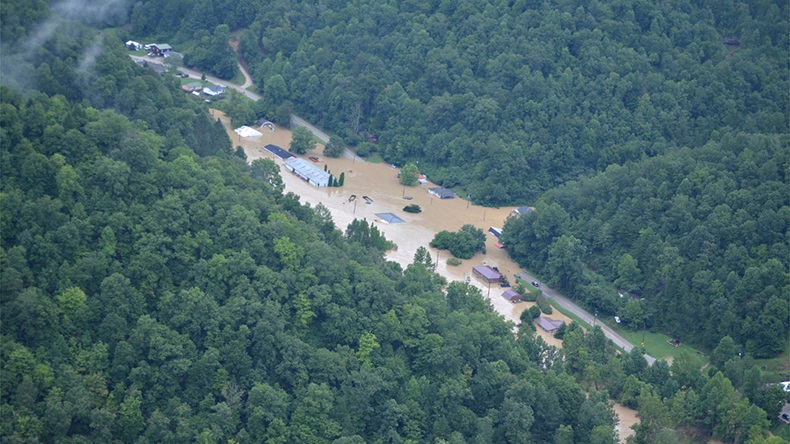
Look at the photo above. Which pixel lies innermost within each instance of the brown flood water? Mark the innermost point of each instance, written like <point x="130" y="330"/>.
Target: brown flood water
<point x="380" y="183"/>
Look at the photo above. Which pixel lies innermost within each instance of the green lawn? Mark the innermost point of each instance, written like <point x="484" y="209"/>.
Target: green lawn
<point x="776" y="369"/>
<point x="374" y="158"/>
<point x="655" y="343"/>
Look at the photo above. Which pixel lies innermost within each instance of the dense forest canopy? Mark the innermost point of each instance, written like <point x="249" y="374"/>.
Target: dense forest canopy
<point x="531" y="93"/>
<point x="701" y="235"/>
<point x="154" y="287"/>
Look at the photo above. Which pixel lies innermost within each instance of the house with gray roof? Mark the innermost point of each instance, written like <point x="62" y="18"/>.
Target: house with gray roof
<point x="548" y="324"/>
<point x="487" y="273"/>
<point x="511" y="295"/>
<point x="441" y="192"/>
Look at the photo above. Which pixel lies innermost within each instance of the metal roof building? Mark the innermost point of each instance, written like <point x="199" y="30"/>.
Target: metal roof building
<point x="548" y="324"/>
<point x="307" y="171"/>
<point x="279" y="152"/>
<point x="442" y="192"/>
<point x="511" y="295"/>
<point x="487" y="273"/>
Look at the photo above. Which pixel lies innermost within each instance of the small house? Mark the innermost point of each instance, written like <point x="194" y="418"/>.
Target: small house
<point x="487" y="273"/>
<point x="214" y="91"/>
<point x="548" y="324"/>
<point x="495" y="231"/>
<point x="192" y="87"/>
<point x="159" y="49"/>
<point x="511" y="295"/>
<point x="262" y="122"/>
<point x="441" y="192"/>
<point x="523" y="210"/>
<point x="626" y="293"/>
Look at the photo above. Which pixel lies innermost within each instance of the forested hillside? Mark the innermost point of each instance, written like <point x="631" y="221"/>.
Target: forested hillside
<point x="531" y="93"/>
<point x="154" y="287"/>
<point x="700" y="234"/>
<point x="151" y="295"/>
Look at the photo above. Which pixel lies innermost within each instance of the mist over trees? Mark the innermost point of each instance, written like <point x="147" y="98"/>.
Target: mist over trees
<point x="156" y="288"/>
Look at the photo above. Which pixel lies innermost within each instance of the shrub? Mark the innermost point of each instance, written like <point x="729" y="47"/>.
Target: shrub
<point x="413" y="208"/>
<point x="462" y="244"/>
<point x="560" y="333"/>
<point x="454" y="261"/>
<point x="534" y="312"/>
<point x="529" y="294"/>
<point x="543" y="303"/>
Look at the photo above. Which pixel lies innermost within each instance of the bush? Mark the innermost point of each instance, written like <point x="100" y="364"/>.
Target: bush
<point x="454" y="261"/>
<point x="462" y="244"/>
<point x="364" y="149"/>
<point x="560" y="333"/>
<point x="529" y="294"/>
<point x="534" y="312"/>
<point x="543" y="303"/>
<point x="413" y="208"/>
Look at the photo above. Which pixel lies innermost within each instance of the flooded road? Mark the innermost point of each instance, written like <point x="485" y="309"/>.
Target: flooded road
<point x="379" y="182"/>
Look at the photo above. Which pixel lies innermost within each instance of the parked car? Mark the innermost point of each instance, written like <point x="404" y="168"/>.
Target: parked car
<point x="785" y="418"/>
<point x="535" y="284"/>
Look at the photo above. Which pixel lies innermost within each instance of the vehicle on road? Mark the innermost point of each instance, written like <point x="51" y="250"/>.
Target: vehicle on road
<point x="785" y="418"/>
<point x="536" y="284"/>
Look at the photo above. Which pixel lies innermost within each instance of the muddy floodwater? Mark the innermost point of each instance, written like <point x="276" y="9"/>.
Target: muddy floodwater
<point x="379" y="182"/>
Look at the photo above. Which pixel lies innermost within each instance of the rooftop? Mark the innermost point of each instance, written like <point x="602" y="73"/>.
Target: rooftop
<point x="306" y="170"/>
<point x="487" y="272"/>
<point x="277" y="151"/>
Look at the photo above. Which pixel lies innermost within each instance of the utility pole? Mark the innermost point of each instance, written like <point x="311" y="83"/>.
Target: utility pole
<point x="644" y="326"/>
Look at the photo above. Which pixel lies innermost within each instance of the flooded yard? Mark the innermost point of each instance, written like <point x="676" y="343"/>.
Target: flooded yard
<point x="379" y="182"/>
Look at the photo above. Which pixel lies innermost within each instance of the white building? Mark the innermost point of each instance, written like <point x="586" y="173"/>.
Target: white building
<point x="307" y="171"/>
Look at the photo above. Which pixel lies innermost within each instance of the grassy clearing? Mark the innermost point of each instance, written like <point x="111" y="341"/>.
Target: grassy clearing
<point x="374" y="158"/>
<point x="655" y="343"/>
<point x="776" y="369"/>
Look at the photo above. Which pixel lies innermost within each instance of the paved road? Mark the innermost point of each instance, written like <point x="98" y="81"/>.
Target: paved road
<point x="324" y="137"/>
<point x="567" y="304"/>
<point x="198" y="75"/>
<point x="242" y="89"/>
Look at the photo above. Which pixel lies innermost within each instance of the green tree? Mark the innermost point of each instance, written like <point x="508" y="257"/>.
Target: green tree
<point x="565" y="261"/>
<point x="335" y="147"/>
<point x="302" y="140"/>
<point x="423" y="256"/>
<point x="267" y="171"/>
<point x="72" y="302"/>
<point x="634" y="313"/>
<point x="723" y="352"/>
<point x="367" y="345"/>
<point x="130" y="417"/>
<point x="408" y="175"/>
<point x="629" y="273"/>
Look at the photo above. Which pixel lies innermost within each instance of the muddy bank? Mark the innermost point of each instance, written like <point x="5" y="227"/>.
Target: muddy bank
<point x="379" y="182"/>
